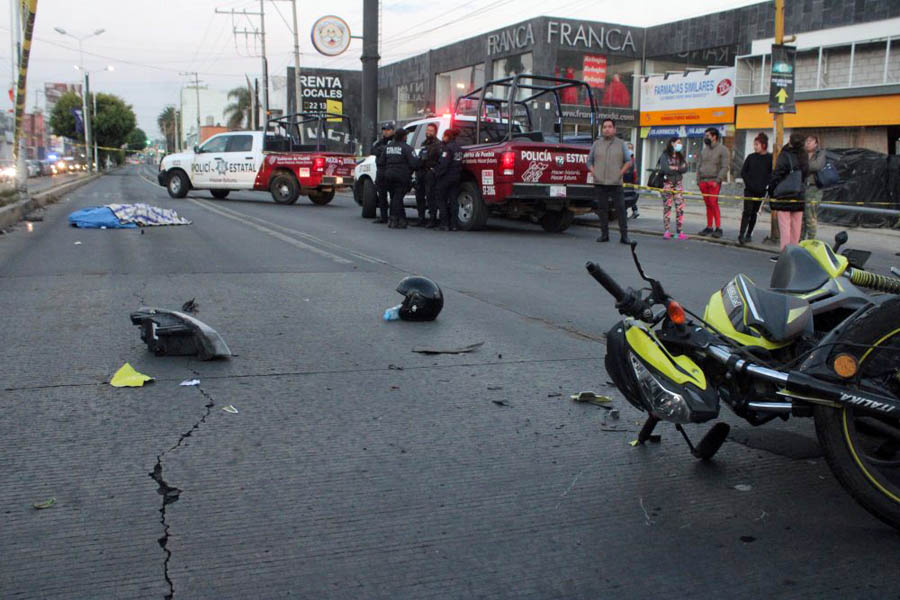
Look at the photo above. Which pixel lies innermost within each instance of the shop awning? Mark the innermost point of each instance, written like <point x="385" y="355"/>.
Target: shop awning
<point x="867" y="111"/>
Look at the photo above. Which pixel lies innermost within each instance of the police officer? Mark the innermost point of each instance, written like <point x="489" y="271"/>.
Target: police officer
<point x="429" y="154"/>
<point x="400" y="162"/>
<point x="381" y="189"/>
<point x="447" y="175"/>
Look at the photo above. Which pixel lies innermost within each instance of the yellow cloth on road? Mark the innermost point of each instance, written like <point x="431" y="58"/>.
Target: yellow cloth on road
<point x="128" y="377"/>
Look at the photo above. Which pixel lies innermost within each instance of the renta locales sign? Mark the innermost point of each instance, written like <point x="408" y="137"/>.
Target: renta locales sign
<point x="698" y="97"/>
<point x="562" y="33"/>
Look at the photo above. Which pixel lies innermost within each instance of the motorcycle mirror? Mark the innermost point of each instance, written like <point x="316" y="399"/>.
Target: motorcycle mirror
<point x="840" y="239"/>
<point x="658" y="292"/>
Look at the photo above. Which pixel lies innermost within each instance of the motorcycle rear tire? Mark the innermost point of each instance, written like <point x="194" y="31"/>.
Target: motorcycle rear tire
<point x="836" y="428"/>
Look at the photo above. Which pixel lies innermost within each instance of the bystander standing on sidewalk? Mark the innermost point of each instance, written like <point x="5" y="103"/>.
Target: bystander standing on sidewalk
<point x="711" y="172"/>
<point x="631" y="194"/>
<point x="788" y="188"/>
<point x="816" y="157"/>
<point x="756" y="174"/>
<point x="673" y="166"/>
<point x="608" y="161"/>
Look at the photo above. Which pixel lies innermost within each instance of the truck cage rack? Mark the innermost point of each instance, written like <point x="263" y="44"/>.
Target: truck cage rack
<point x="539" y="85"/>
<point x="286" y="135"/>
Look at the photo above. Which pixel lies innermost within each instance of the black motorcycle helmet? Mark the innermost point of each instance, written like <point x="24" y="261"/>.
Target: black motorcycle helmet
<point x="423" y="299"/>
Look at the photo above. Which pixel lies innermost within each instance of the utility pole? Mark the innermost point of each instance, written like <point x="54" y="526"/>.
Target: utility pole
<point x="298" y="98"/>
<point x="261" y="33"/>
<point x="369" y="60"/>
<point x="197" y="90"/>
<point x="774" y="233"/>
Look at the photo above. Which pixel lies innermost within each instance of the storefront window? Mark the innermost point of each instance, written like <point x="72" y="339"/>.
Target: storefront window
<point x="451" y="85"/>
<point x="612" y="78"/>
<point x="692" y="140"/>
<point x="513" y="65"/>
<point x="386" y="105"/>
<point x="411" y="100"/>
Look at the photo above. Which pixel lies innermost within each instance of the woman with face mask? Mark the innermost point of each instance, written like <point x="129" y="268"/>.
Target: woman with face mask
<point x="756" y="173"/>
<point x="673" y="167"/>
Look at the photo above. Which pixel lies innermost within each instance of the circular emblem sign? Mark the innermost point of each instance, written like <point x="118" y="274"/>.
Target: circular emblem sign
<point x="331" y="35"/>
<point x="724" y="87"/>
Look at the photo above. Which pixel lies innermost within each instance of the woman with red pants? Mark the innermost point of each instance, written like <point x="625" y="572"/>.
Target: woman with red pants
<point x="790" y="202"/>
<point x="712" y="170"/>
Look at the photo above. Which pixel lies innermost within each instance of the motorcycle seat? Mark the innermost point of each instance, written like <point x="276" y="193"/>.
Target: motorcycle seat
<point x="776" y="316"/>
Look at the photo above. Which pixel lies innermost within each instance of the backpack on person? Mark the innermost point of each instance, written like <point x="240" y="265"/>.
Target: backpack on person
<point x="827" y="176"/>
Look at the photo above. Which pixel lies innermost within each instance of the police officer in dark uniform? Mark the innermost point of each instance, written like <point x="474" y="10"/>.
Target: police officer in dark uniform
<point x="381" y="189"/>
<point x="447" y="175"/>
<point x="400" y="162"/>
<point x="429" y="154"/>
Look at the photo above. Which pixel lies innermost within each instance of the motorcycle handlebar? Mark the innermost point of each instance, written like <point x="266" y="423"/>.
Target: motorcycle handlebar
<point x="606" y="281"/>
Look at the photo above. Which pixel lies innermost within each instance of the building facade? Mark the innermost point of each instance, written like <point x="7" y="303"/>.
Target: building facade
<point x="849" y="55"/>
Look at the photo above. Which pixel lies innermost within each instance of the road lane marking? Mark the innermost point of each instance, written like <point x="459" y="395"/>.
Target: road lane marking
<point x="275" y="234"/>
<point x="303" y="235"/>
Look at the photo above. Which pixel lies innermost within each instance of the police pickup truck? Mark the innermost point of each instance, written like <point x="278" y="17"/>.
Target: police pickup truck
<point x="509" y="170"/>
<point x="308" y="154"/>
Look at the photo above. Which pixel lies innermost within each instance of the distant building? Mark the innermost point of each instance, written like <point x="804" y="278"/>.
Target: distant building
<point x="212" y="113"/>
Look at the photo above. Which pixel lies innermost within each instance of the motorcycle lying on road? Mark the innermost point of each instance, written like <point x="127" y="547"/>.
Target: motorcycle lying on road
<point x="813" y="347"/>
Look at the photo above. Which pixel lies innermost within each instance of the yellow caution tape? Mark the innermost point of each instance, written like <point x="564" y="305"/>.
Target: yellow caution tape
<point x="700" y="195"/>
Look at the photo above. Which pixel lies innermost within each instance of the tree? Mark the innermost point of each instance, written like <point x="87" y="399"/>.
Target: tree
<point x="239" y="110"/>
<point x="137" y="140"/>
<point x="62" y="121"/>
<point x="113" y="122"/>
<point x="168" y="121"/>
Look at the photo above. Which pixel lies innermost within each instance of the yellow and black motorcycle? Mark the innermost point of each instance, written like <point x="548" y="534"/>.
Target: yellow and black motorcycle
<point x="767" y="354"/>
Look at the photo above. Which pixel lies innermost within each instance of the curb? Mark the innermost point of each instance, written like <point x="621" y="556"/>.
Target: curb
<point x="709" y="240"/>
<point x="13" y="213"/>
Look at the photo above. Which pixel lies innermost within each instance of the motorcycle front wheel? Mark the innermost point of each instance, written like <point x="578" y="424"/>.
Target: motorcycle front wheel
<point x="863" y="450"/>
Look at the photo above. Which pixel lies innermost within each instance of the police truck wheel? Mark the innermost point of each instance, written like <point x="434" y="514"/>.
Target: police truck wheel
<point x="472" y="213"/>
<point x="321" y="198"/>
<point x="219" y="194"/>
<point x="285" y="189"/>
<point x="557" y="221"/>
<point x="178" y="185"/>
<point x="369" y="199"/>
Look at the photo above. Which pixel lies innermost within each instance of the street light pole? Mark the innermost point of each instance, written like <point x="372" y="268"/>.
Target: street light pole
<point x="84" y="90"/>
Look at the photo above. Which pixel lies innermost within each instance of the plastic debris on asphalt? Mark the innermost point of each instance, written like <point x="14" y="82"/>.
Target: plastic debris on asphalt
<point x="173" y="333"/>
<point x="392" y="313"/>
<point x="460" y="350"/>
<point x="126" y="376"/>
<point x="190" y="306"/>
<point x="189" y="382"/>
<point x="230" y="409"/>
<point x="45" y="504"/>
<point x="592" y="398"/>
<point x="77" y="243"/>
<point x="743" y="487"/>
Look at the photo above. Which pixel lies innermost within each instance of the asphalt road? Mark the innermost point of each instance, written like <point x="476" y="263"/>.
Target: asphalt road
<point x="356" y="468"/>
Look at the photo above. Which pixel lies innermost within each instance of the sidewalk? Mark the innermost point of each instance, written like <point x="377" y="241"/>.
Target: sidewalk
<point x="650" y="221"/>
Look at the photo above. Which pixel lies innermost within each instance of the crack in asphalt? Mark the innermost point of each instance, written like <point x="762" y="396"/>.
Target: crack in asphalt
<point x="169" y="493"/>
<point x="492" y="363"/>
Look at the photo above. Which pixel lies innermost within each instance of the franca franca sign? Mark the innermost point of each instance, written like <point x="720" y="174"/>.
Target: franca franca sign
<point x="562" y="33"/>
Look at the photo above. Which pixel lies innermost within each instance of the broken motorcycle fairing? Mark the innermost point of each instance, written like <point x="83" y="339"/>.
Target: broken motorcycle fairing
<point x="173" y="333"/>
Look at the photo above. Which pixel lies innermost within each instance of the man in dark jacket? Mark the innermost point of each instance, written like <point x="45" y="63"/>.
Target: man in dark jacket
<point x="387" y="132"/>
<point x="400" y="162"/>
<point x="447" y="175"/>
<point x="429" y="154"/>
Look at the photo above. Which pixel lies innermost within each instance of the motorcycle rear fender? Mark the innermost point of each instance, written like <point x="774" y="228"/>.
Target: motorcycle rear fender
<point x="833" y="264"/>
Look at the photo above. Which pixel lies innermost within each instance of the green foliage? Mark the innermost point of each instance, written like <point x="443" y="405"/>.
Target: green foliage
<point x="62" y="121"/>
<point x="113" y="122"/>
<point x="239" y="110"/>
<point x="137" y="140"/>
<point x="167" y="121"/>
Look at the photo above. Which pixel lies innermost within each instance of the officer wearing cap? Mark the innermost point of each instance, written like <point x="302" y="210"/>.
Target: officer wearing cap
<point x="381" y="187"/>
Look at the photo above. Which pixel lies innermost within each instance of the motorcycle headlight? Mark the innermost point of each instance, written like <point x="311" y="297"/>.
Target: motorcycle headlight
<point x="665" y="404"/>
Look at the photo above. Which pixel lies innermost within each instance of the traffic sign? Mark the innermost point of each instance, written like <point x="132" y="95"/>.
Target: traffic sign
<point x="781" y="83"/>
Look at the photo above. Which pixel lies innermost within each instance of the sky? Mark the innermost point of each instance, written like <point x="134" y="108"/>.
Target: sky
<point x="150" y="43"/>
